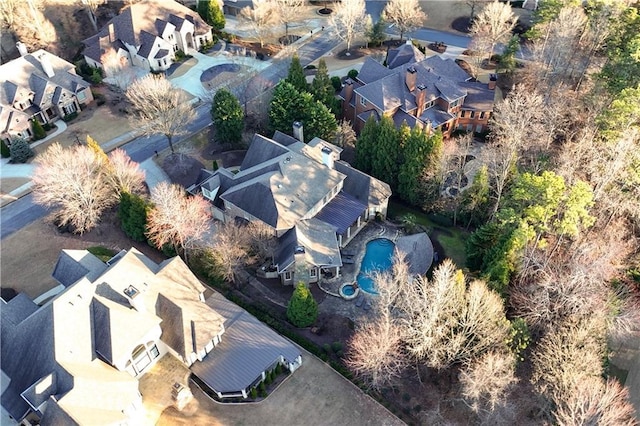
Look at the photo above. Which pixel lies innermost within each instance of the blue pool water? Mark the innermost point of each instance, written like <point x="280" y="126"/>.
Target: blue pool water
<point x="348" y="290"/>
<point x="379" y="256"/>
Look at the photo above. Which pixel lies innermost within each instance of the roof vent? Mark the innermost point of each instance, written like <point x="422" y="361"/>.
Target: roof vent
<point x="299" y="249"/>
<point x="131" y="292"/>
<point x="287" y="159"/>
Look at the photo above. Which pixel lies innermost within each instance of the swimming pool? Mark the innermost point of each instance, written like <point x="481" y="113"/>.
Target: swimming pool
<point x="379" y="256"/>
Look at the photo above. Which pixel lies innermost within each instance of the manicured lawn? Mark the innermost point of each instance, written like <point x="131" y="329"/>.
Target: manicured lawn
<point x="452" y="239"/>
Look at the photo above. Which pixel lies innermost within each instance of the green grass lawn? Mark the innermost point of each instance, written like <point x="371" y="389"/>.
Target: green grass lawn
<point x="452" y="239"/>
<point x="102" y="253"/>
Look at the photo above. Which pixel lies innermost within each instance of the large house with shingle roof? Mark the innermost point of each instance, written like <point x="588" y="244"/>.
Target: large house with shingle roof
<point x="148" y="35"/>
<point x="432" y="93"/>
<point x="313" y="202"/>
<point x="77" y="358"/>
<point x="38" y="86"/>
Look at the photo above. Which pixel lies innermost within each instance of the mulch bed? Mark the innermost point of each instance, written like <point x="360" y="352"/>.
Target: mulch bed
<point x="462" y="24"/>
<point x="354" y="53"/>
<point x="287" y="40"/>
<point x="182" y="169"/>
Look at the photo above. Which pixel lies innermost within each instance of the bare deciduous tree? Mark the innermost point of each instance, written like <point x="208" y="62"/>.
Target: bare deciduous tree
<point x="348" y="19"/>
<point x="73" y="182"/>
<point x="229" y="250"/>
<point x="124" y="175"/>
<point x="406" y="15"/>
<point x="177" y="218"/>
<point x="487" y="381"/>
<point x="92" y="8"/>
<point x="117" y="70"/>
<point x="375" y="352"/>
<point x="446" y="322"/>
<point x="160" y="108"/>
<point x="262" y="240"/>
<point x="260" y="18"/>
<point x="26" y="20"/>
<point x="596" y="402"/>
<point x="494" y="23"/>
<point x="515" y="121"/>
<point x="287" y="11"/>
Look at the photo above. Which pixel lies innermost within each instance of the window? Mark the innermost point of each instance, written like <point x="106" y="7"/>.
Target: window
<point x="313" y="272"/>
<point x="472" y="115"/>
<point x="287" y="276"/>
<point x="155" y="353"/>
<point x="482" y="114"/>
<point x="159" y="63"/>
<point x="82" y="96"/>
<point x="462" y="114"/>
<point x="363" y="101"/>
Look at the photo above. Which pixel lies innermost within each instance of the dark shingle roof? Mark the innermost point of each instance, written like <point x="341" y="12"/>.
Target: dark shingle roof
<point x="405" y="54"/>
<point x="364" y="188"/>
<point x="263" y="149"/>
<point x="372" y="71"/>
<point x="234" y="364"/>
<point x="479" y="97"/>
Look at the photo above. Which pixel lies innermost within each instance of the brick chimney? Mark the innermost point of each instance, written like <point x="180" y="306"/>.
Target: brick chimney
<point x="410" y="78"/>
<point x="421" y="96"/>
<point x="112" y="33"/>
<point x="348" y="90"/>
<point x="493" y="78"/>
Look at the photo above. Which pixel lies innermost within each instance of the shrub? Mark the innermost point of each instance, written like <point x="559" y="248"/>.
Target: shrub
<point x="4" y="149"/>
<point x="99" y="97"/>
<point x="336" y="82"/>
<point x="406" y="397"/>
<point x="336" y="346"/>
<point x="267" y="378"/>
<point x="278" y="369"/>
<point x="20" y="151"/>
<point x="47" y="126"/>
<point x="326" y="347"/>
<point x="253" y="393"/>
<point x="352" y="74"/>
<point x="132" y="212"/>
<point x="302" y="310"/>
<point x="520" y="337"/>
<point x="38" y="130"/>
<point x="96" y="76"/>
<point x="70" y="117"/>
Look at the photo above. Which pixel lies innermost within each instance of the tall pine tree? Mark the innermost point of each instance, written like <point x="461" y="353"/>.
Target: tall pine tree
<point x="366" y="144"/>
<point x="384" y="164"/>
<point x="211" y="13"/>
<point x="323" y="90"/>
<point x="296" y="75"/>
<point x="415" y="160"/>
<point x="228" y="117"/>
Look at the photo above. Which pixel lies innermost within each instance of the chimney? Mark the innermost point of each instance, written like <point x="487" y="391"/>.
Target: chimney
<point x="298" y="131"/>
<point x="22" y="48"/>
<point x="348" y="90"/>
<point x="112" y="35"/>
<point x="421" y="96"/>
<point x="327" y="156"/>
<point x="133" y="295"/>
<point x="43" y="57"/>
<point x="493" y="78"/>
<point x="410" y="78"/>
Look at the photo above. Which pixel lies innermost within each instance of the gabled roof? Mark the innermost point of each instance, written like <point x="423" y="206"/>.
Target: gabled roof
<point x="318" y="240"/>
<point x="139" y="23"/>
<point x="405" y="54"/>
<point x="372" y="71"/>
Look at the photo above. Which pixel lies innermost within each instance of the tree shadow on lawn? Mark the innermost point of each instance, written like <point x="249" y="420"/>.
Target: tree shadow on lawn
<point x="182" y="169"/>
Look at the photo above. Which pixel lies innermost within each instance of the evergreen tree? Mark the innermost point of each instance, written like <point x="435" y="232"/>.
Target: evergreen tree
<point x="375" y="34"/>
<point x="20" y="151"/>
<point x="366" y="145"/>
<point x="4" y="149"/>
<point x="296" y="75"/>
<point x="416" y="150"/>
<point x="302" y="309"/>
<point x="622" y="70"/>
<point x="132" y="212"/>
<point x="38" y="130"/>
<point x="322" y="88"/>
<point x="317" y="119"/>
<point x="227" y="115"/>
<point x="211" y="13"/>
<point x="384" y="164"/>
<point x="284" y="108"/>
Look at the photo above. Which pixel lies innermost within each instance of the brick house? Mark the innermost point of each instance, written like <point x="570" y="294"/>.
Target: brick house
<point x="432" y="93"/>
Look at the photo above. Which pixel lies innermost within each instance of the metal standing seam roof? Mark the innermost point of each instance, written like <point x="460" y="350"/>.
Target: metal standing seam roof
<point x="341" y="212"/>
<point x="248" y="348"/>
